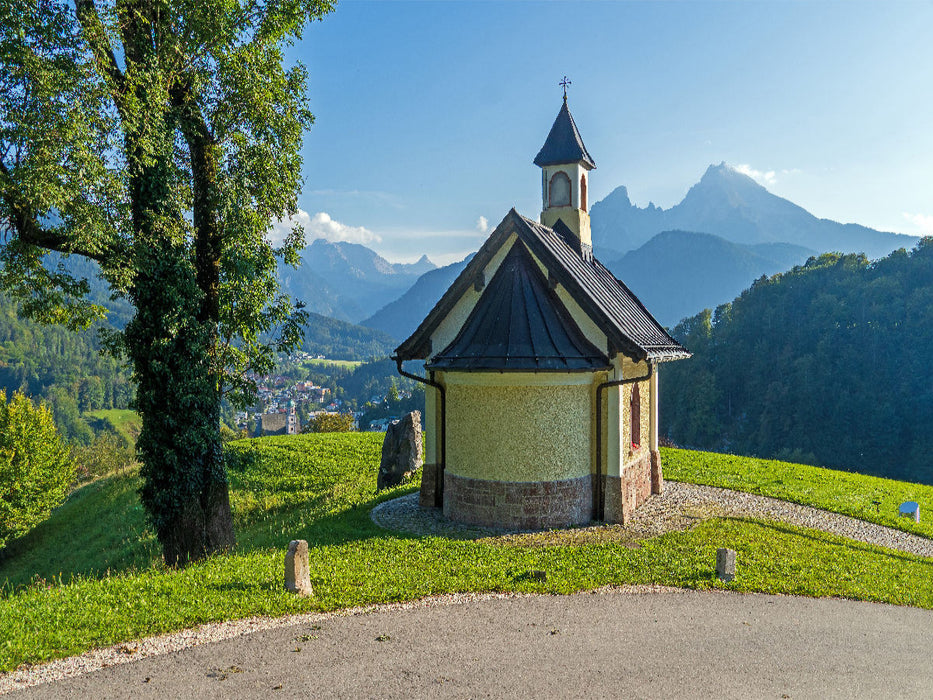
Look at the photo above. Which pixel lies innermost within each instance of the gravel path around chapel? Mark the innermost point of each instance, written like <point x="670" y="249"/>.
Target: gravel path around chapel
<point x="679" y="507"/>
<point x="97" y="674"/>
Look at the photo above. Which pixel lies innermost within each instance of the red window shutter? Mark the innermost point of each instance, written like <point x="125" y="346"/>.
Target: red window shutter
<point x="635" y="413"/>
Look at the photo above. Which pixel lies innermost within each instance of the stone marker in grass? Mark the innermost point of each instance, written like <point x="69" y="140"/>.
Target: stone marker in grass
<point x="297" y="578"/>
<point x="725" y="564"/>
<point x="910" y="509"/>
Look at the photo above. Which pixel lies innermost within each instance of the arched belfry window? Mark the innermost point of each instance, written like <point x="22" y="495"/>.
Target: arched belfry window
<point x="559" y="195"/>
<point x="583" y="191"/>
<point x="635" y="413"/>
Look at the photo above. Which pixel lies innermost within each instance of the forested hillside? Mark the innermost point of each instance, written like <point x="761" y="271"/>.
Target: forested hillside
<point x="65" y="369"/>
<point x="69" y="372"/>
<point x="345" y="341"/>
<point x="829" y="363"/>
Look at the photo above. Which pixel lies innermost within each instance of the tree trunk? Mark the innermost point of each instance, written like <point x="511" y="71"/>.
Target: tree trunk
<point x="172" y="347"/>
<point x="185" y="488"/>
<point x="172" y="339"/>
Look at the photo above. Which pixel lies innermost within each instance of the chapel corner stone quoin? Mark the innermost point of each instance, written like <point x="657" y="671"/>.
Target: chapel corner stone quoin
<point x="541" y="370"/>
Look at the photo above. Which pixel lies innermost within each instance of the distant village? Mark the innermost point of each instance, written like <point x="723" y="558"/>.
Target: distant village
<point x="285" y="406"/>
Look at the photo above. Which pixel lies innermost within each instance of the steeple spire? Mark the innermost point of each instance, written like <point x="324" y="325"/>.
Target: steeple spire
<point x="564" y="144"/>
<point x="565" y="164"/>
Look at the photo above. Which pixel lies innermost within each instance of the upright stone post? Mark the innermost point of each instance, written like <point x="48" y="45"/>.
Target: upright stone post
<point x="297" y="577"/>
<point x="725" y="564"/>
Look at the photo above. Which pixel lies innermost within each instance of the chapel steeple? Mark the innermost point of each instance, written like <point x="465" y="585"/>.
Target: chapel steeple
<point x="565" y="164"/>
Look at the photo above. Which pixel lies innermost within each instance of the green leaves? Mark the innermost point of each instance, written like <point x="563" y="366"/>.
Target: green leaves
<point x="36" y="470"/>
<point x="160" y="140"/>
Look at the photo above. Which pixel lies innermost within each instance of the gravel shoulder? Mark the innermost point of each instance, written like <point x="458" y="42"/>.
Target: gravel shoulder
<point x="609" y="643"/>
<point x="681" y="506"/>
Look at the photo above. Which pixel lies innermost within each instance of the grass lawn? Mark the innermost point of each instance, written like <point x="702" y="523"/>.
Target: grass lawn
<point x="868" y="498"/>
<point x="324" y="362"/>
<point x="60" y="599"/>
<point x="124" y="422"/>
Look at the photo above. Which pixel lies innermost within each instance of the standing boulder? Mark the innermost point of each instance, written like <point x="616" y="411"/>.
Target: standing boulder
<point x="402" y="452"/>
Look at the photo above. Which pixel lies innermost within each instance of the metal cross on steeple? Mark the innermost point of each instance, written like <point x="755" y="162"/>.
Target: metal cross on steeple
<point x="565" y="82"/>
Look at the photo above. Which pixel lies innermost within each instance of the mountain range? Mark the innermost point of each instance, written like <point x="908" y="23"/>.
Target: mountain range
<point x="731" y="205"/>
<point x="677" y="273"/>
<point x="348" y="281"/>
<point x="726" y="232"/>
<point x="401" y="317"/>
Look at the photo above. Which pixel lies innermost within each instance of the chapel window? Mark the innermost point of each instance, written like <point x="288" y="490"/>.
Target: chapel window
<point x="559" y="195"/>
<point x="583" y="192"/>
<point x="635" y="413"/>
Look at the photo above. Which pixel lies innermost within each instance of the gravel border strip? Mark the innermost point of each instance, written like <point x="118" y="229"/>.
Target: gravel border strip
<point x="681" y="506"/>
<point x="127" y="652"/>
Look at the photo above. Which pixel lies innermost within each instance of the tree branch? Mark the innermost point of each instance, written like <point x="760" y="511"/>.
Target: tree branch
<point x="202" y="149"/>
<point x="22" y="220"/>
<point x="106" y="60"/>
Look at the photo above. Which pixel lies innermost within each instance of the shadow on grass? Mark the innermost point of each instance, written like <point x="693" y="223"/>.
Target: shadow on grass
<point x="285" y="523"/>
<point x="830" y="538"/>
<point x="100" y="529"/>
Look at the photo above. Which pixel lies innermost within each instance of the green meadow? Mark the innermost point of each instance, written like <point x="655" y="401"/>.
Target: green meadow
<point x="91" y="575"/>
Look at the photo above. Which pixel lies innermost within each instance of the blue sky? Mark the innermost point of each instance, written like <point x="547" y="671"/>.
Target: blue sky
<point x="428" y="114"/>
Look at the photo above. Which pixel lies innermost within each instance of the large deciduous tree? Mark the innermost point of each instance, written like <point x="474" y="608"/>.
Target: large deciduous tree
<point x="159" y="138"/>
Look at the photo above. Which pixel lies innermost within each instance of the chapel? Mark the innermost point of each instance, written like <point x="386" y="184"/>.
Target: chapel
<point x="541" y="370"/>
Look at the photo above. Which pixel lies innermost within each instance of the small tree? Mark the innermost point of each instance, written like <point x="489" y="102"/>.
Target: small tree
<point x="331" y="423"/>
<point x="108" y="453"/>
<point x="35" y="467"/>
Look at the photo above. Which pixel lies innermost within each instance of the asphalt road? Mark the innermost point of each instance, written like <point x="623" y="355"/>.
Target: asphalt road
<point x="598" y="645"/>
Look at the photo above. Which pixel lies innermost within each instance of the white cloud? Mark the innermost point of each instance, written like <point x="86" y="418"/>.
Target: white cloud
<point x="761" y="177"/>
<point x="321" y="225"/>
<point x="924" y="222"/>
<point x="482" y="224"/>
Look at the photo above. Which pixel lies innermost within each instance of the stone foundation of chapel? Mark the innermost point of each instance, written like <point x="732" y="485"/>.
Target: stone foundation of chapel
<point x="535" y="505"/>
<point x="518" y="505"/>
<point x="640" y="479"/>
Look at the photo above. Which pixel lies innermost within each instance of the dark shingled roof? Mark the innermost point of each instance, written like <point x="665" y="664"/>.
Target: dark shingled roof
<point x="520" y="324"/>
<point x="607" y="301"/>
<point x="563" y="144"/>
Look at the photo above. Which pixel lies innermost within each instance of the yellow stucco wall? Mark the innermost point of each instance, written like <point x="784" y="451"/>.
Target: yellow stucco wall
<point x="617" y="411"/>
<point x="432" y="417"/>
<point x="576" y="220"/>
<point x="519" y="433"/>
<point x="630" y="455"/>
